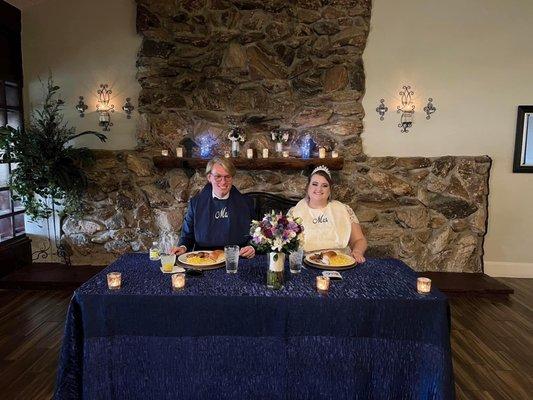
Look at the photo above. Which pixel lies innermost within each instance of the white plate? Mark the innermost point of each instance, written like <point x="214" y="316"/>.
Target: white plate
<point x="174" y="270"/>
<point x="350" y="261"/>
<point x="183" y="259"/>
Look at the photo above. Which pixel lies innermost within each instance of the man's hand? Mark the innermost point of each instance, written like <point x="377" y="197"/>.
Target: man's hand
<point x="247" y="252"/>
<point x="178" y="250"/>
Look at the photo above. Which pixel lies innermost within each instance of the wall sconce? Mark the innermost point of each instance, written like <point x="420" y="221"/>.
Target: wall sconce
<point x="103" y="107"/>
<point x="81" y="107"/>
<point x="406" y="109"/>
<point x="128" y="108"/>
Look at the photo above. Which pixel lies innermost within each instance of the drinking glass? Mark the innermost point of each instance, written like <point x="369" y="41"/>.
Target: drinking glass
<point x="232" y="258"/>
<point x="167" y="261"/>
<point x="295" y="261"/>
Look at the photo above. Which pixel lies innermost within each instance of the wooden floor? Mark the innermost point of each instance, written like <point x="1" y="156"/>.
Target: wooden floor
<point x="492" y="343"/>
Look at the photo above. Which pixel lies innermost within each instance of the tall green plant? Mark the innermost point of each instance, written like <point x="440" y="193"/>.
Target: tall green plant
<point x="48" y="167"/>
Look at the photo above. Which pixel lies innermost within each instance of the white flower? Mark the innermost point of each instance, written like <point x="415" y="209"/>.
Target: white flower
<point x="277" y="244"/>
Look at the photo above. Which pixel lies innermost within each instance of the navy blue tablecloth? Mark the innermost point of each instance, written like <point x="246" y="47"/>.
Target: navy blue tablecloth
<point x="228" y="336"/>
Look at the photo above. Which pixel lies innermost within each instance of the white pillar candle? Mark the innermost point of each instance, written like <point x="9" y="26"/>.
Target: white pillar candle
<point x="322" y="152"/>
<point x="334" y="154"/>
<point x="114" y="280"/>
<point x="322" y="283"/>
<point x="250" y="153"/>
<point x="178" y="281"/>
<point x="227" y="154"/>
<point x="164" y="153"/>
<point x="423" y="285"/>
<point x="285" y="153"/>
<point x="179" y="152"/>
<point x="265" y="153"/>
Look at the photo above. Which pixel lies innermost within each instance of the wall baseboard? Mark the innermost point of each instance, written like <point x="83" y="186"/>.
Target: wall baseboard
<point x="508" y="269"/>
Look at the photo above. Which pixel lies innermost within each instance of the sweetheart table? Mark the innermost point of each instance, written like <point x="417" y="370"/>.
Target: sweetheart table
<point x="226" y="336"/>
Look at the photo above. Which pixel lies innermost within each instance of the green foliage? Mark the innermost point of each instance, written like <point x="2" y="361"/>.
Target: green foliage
<point x="47" y="166"/>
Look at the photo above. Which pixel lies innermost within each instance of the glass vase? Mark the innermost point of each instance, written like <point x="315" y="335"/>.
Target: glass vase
<point x="235" y="150"/>
<point x="279" y="147"/>
<point x="275" y="273"/>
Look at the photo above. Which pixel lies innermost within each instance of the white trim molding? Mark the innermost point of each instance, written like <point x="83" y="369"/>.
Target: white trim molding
<point x="508" y="269"/>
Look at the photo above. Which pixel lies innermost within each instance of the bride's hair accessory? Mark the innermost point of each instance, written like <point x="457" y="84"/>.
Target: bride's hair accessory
<point x="321" y="168"/>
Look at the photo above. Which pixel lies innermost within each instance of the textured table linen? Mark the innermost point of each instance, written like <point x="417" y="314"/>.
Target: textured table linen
<point x="227" y="336"/>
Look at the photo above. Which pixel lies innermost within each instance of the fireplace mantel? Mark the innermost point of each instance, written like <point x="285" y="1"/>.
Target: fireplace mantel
<point x="271" y="163"/>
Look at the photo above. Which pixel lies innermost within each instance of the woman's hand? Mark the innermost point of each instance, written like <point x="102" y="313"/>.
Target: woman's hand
<point x="359" y="257"/>
<point x="247" y="252"/>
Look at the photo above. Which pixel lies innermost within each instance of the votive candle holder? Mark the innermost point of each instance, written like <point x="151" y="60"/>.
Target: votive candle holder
<point x="114" y="280"/>
<point x="423" y="285"/>
<point x="322" y="284"/>
<point x="164" y="153"/>
<point x="178" y="281"/>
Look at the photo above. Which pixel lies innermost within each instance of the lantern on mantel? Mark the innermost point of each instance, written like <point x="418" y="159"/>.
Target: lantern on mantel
<point x="279" y="136"/>
<point x="236" y="135"/>
<point x="307" y="146"/>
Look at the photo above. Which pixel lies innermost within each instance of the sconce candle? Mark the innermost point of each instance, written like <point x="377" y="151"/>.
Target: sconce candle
<point x="265" y="153"/>
<point x="114" y="280"/>
<point x="179" y="152"/>
<point x="423" y="285"/>
<point x="285" y="154"/>
<point x="250" y="153"/>
<point x="334" y="154"/>
<point x="178" y="281"/>
<point x="322" y="152"/>
<point x="164" y="153"/>
<point x="322" y="284"/>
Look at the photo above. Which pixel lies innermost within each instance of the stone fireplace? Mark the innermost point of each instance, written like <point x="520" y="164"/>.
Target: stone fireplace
<point x="271" y="64"/>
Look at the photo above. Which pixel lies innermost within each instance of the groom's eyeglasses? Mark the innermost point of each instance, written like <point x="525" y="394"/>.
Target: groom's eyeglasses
<point x="219" y="178"/>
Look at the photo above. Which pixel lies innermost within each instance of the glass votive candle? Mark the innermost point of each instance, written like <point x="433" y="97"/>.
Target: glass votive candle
<point x="322" y="152"/>
<point x="423" y="285"/>
<point x="334" y="154"/>
<point x="285" y="154"/>
<point x="114" y="280"/>
<point x="322" y="283"/>
<point x="250" y="153"/>
<point x="179" y="152"/>
<point x="227" y="154"/>
<point x="178" y="281"/>
<point x="164" y="153"/>
<point x="265" y="153"/>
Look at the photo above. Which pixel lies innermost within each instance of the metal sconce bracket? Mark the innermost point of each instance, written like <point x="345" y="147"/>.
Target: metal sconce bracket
<point x="406" y="109"/>
<point x="81" y="107"/>
<point x="128" y="108"/>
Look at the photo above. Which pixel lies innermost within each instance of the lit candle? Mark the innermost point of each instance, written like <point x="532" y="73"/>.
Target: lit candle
<point x="334" y="154"/>
<point x="227" y="154"/>
<point x="164" y="153"/>
<point x="322" y="283"/>
<point x="178" y="281"/>
<point x="250" y="153"/>
<point x="114" y="280"/>
<point x="179" y="152"/>
<point x="423" y="285"/>
<point x="322" y="152"/>
<point x="265" y="153"/>
<point x="285" y="154"/>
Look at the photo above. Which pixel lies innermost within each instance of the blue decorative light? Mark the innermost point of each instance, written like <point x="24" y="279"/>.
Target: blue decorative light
<point x="307" y="146"/>
<point x="206" y="144"/>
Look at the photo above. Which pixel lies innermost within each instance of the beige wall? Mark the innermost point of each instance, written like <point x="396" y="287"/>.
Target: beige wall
<point x="84" y="43"/>
<point x="472" y="57"/>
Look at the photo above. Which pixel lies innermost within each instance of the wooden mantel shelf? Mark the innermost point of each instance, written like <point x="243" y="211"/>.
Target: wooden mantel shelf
<point x="271" y="163"/>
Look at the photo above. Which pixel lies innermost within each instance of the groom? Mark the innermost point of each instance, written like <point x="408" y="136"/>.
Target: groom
<point x="219" y="215"/>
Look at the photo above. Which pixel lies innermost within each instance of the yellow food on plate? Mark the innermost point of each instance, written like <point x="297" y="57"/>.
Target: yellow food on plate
<point x="196" y="260"/>
<point x="340" y="260"/>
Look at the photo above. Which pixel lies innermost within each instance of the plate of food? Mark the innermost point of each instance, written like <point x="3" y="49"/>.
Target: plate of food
<point x="330" y="260"/>
<point x="203" y="259"/>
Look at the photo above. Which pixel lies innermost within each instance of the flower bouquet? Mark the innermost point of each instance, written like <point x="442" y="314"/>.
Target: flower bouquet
<point x="277" y="234"/>
<point x="279" y="136"/>
<point x="236" y="135"/>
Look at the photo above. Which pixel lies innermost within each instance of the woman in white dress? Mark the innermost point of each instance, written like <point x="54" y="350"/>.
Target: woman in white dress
<point x="328" y="224"/>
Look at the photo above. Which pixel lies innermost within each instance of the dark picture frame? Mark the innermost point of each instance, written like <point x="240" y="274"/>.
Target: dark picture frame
<point x="523" y="150"/>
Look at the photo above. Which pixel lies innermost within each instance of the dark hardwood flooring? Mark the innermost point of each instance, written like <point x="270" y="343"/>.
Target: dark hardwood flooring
<point x="492" y="343"/>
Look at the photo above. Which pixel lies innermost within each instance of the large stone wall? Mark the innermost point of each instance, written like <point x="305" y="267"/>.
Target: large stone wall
<point x="294" y="65"/>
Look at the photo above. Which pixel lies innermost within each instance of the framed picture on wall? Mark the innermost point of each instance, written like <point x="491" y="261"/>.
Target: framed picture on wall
<point x="523" y="150"/>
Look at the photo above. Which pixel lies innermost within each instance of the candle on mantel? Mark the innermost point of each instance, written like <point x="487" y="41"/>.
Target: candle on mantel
<point x="114" y="280"/>
<point x="250" y="153"/>
<point x="334" y="154"/>
<point x="423" y="285"/>
<point x="227" y="154"/>
<point x="178" y="281"/>
<point x="164" y="153"/>
<point x="322" y="283"/>
<point x="322" y="152"/>
<point x="285" y="154"/>
<point x="179" y="152"/>
<point x="265" y="153"/>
